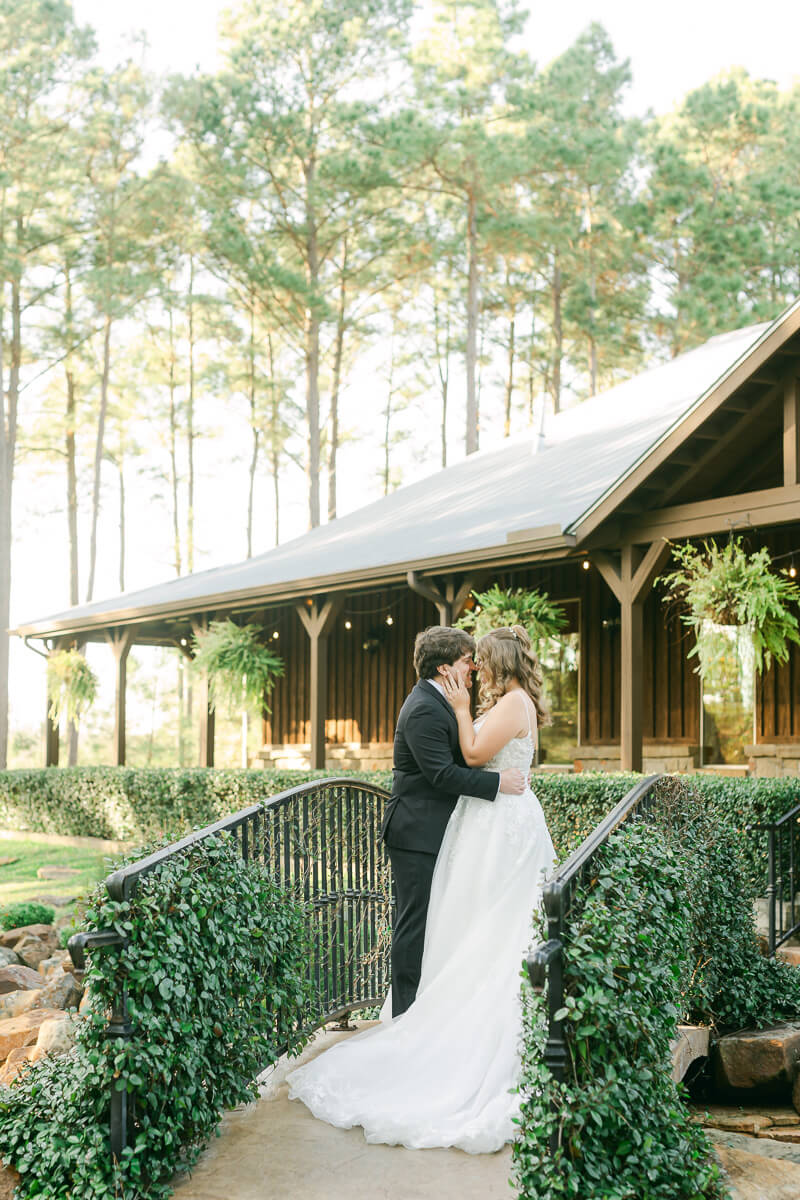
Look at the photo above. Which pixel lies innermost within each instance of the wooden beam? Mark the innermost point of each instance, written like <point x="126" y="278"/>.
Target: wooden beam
<point x="449" y="599"/>
<point x="720" y="449"/>
<point x="207" y="716"/>
<point x="651" y="563"/>
<point x="318" y="620"/>
<point x="610" y="572"/>
<point x="120" y="642"/>
<point x="791" y="431"/>
<point x="772" y="506"/>
<point x="747" y="366"/>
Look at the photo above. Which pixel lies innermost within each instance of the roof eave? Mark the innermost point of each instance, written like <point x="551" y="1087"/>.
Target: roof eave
<point x="520" y="544"/>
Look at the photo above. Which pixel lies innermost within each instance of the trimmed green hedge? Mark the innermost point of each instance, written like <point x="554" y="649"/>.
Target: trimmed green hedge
<point x="216" y="979"/>
<point x="142" y="804"/>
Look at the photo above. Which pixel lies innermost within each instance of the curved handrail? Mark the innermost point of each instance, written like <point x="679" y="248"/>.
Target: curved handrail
<point x="545" y="961"/>
<point x="121" y="884"/>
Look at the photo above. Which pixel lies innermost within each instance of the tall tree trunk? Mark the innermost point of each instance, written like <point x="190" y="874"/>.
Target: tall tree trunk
<point x="312" y="352"/>
<point x="337" y="375"/>
<point x="509" y="376"/>
<point x="121" y="473"/>
<point x="190" y="433"/>
<point x="72" y="490"/>
<point x="8" y="440"/>
<point x="442" y="366"/>
<point x="254" y="430"/>
<point x="274" y="446"/>
<point x="98" y="453"/>
<point x="531" y="387"/>
<point x="472" y="437"/>
<point x="176" y="528"/>
<point x="388" y="421"/>
<point x="558" y="338"/>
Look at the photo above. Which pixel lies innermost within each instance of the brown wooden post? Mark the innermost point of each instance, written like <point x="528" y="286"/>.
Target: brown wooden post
<point x="50" y="739"/>
<point x="791" y="431"/>
<point x="318" y="620"/>
<point x="120" y="641"/>
<point x="630" y="582"/>
<point x="449" y="600"/>
<point x="207" y="718"/>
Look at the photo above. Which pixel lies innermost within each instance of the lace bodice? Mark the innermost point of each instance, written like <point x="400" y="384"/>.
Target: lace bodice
<point x="516" y="753"/>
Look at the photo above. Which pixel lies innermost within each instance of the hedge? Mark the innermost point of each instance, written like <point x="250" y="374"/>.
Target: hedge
<point x="216" y="981"/>
<point x="143" y="804"/>
<point x="661" y="930"/>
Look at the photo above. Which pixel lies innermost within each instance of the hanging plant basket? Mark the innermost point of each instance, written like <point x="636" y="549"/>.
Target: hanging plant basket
<point x="725" y="587"/>
<point x="531" y="609"/>
<point x="241" y="669"/>
<point x="71" y="685"/>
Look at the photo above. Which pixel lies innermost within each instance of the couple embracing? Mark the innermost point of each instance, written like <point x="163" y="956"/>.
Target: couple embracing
<point x="469" y="849"/>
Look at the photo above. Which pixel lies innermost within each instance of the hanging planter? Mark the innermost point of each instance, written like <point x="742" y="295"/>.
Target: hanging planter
<point x="531" y="609"/>
<point x="71" y="685"/>
<point x="726" y="589"/>
<point x="241" y="669"/>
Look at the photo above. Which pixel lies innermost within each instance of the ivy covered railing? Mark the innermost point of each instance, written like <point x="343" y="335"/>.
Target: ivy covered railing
<point x="319" y="844"/>
<point x="545" y="961"/>
<point x="783" y="874"/>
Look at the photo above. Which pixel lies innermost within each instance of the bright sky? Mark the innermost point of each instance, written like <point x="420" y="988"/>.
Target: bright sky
<point x="672" y="49"/>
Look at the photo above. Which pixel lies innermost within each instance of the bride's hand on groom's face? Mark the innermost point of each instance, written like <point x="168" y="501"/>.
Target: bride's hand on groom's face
<point x="456" y="691"/>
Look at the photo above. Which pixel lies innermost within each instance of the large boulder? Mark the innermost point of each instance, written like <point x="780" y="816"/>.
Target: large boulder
<point x="15" y="1003"/>
<point x="56" y="1036"/>
<point x="10" y="937"/>
<point x="32" y="950"/>
<point x="63" y="992"/>
<point x="13" y="1064"/>
<point x="762" y="1060"/>
<point x="24" y="1029"/>
<point x="7" y="957"/>
<point x="15" y="978"/>
<point x="55" y="964"/>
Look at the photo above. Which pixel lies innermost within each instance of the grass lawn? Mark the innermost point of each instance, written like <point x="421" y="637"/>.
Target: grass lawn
<point x="19" y="881"/>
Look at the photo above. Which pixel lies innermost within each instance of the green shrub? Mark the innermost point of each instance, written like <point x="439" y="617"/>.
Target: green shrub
<point x="215" y="975"/>
<point x="660" y="930"/>
<point x="29" y="912"/>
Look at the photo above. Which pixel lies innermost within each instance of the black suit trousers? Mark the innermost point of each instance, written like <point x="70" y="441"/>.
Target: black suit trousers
<point x="413" y="873"/>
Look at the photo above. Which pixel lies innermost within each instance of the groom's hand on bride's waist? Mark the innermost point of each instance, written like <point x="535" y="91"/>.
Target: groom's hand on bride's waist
<point x="512" y="781"/>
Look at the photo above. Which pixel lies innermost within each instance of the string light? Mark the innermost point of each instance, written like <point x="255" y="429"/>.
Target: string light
<point x="348" y="624"/>
<point x="390" y="620"/>
<point x="586" y="564"/>
<point x="276" y="635"/>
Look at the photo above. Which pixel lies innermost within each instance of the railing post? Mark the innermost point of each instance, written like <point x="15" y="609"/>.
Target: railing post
<point x="119" y="1027"/>
<point x="771" y="894"/>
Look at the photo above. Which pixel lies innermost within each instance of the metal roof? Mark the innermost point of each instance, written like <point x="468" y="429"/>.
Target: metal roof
<point x="462" y="511"/>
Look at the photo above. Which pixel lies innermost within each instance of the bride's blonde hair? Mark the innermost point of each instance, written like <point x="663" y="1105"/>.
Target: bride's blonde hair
<point x="506" y="654"/>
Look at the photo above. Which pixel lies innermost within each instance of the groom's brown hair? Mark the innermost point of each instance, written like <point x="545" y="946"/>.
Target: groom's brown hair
<point x="437" y="645"/>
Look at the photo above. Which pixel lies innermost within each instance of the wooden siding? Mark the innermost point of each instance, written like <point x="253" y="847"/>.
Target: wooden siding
<point x="778" y="689"/>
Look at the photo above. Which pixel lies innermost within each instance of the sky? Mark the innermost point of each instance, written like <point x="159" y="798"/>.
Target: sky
<point x="672" y="49"/>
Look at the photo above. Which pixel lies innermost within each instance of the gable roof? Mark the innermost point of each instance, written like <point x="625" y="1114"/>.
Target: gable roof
<point x="525" y="494"/>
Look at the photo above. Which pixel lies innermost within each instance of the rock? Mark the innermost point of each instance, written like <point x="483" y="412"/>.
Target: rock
<point x="56" y="1036"/>
<point x="86" y="1000"/>
<point x="23" y="1030"/>
<point x="13" y="1064"/>
<point x="7" y="862"/>
<point x="689" y="1044"/>
<point x="57" y="872"/>
<point x="56" y="901"/>
<point x="789" y="954"/>
<point x="7" y="957"/>
<point x="10" y="937"/>
<point x="32" y="950"/>
<point x="752" y="1177"/>
<point x="57" y="962"/>
<point x="14" y="1003"/>
<point x="781" y="1135"/>
<point x="16" y="978"/>
<point x="62" y="992"/>
<point x="740" y="1123"/>
<point x="763" y="1059"/>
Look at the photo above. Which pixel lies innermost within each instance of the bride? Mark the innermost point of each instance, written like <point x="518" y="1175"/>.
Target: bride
<point x="444" y="1072"/>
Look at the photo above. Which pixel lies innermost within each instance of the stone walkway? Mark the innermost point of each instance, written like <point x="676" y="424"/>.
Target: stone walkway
<point x="275" y="1150"/>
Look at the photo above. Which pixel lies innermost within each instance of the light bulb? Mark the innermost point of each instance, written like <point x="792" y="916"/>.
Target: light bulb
<point x="276" y="635"/>
<point x="348" y="624"/>
<point x="586" y="564"/>
<point x="792" y="571"/>
<point x="390" y="620"/>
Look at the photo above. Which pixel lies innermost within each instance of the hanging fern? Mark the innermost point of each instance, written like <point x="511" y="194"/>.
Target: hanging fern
<point x="71" y="685"/>
<point x="241" y="669"/>
<point x="727" y="586"/>
<point x="537" y="614"/>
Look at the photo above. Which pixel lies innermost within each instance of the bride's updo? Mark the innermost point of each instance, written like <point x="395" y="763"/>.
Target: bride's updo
<point x="506" y="655"/>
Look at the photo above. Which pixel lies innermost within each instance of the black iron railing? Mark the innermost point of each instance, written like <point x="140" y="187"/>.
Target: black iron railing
<point x="783" y="864"/>
<point x="322" y="842"/>
<point x="545" y="965"/>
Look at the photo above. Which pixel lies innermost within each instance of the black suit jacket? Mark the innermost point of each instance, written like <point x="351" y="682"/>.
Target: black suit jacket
<point x="429" y="773"/>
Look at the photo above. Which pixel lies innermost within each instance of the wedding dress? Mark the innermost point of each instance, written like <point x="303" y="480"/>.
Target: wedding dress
<point x="444" y="1072"/>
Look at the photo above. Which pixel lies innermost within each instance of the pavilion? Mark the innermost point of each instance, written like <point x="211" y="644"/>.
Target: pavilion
<point x="699" y="446"/>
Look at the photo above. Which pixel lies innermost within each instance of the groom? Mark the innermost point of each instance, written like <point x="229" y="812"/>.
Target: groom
<point x="429" y="776"/>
